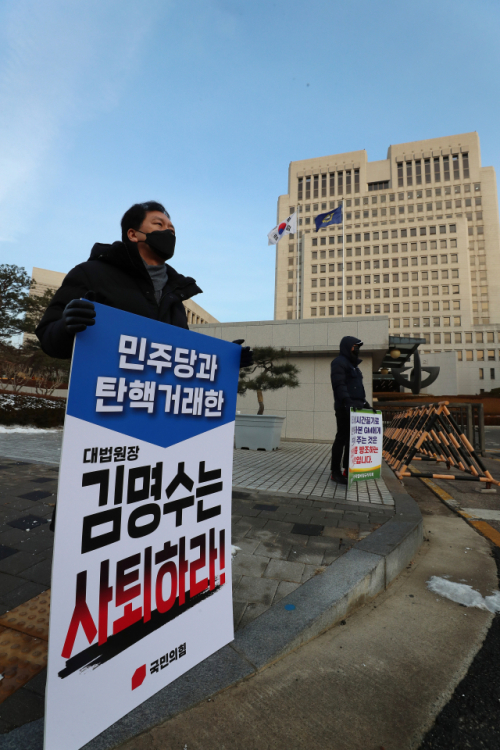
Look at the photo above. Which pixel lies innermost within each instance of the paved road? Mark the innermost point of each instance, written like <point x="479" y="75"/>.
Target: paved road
<point x="492" y="435"/>
<point x="36" y="446"/>
<point x="377" y="682"/>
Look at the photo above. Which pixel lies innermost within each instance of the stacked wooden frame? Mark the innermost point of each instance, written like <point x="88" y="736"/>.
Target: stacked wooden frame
<point x="430" y="433"/>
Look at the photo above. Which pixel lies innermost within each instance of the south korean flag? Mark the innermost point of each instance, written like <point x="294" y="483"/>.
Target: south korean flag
<point x="289" y="226"/>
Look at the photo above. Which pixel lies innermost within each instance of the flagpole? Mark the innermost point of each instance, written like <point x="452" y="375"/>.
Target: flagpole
<point x="302" y="273"/>
<point x="343" y="258"/>
<point x="298" y="265"/>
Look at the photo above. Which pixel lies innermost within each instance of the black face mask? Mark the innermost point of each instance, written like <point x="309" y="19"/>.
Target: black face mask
<point x="355" y="353"/>
<point x="162" y="242"/>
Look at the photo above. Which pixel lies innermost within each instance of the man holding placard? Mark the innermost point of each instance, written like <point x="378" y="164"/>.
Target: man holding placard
<point x="130" y="275"/>
<point x="349" y="391"/>
<point x="141" y="578"/>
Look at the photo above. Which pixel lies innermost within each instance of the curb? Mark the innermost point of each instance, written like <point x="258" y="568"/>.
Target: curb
<point x="354" y="578"/>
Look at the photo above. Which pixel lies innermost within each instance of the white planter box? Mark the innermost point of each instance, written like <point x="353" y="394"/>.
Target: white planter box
<point x="258" y="432"/>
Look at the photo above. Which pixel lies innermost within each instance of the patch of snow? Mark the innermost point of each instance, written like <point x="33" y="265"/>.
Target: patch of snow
<point x="493" y="601"/>
<point x="6" y="430"/>
<point x="462" y="593"/>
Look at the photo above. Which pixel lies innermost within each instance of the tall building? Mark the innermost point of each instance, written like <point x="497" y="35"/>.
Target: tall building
<point x="422" y="247"/>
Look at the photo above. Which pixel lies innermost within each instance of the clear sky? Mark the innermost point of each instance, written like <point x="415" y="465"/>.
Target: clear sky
<point x="202" y="104"/>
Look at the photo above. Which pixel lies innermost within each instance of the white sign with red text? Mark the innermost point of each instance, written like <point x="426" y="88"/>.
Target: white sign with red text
<point x="365" y="446"/>
<point x="141" y="581"/>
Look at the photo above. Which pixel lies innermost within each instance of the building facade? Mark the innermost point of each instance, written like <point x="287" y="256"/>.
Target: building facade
<point x="46" y="279"/>
<point x="422" y="247"/>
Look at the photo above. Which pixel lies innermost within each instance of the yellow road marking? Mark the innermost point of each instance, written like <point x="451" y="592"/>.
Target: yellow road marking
<point x="484" y="528"/>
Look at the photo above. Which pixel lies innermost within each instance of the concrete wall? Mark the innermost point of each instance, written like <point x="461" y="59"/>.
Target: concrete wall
<point x="308" y="409"/>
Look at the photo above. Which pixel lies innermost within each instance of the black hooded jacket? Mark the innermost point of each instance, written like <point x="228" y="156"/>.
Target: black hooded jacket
<point x="117" y="277"/>
<point x="346" y="377"/>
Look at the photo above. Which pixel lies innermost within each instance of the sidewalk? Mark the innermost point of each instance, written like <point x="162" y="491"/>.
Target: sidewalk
<point x="302" y="469"/>
<point x="290" y="521"/>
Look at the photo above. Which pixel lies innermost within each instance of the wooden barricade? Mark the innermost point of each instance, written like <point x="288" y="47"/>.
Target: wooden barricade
<point x="430" y="433"/>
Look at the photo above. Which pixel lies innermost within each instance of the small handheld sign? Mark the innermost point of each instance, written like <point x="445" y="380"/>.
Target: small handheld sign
<point x="141" y="578"/>
<point x="365" y="445"/>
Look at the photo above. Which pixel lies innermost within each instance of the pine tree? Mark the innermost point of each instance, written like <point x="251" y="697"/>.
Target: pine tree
<point x="271" y="376"/>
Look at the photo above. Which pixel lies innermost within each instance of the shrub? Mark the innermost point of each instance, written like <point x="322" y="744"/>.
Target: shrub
<point x="31" y="411"/>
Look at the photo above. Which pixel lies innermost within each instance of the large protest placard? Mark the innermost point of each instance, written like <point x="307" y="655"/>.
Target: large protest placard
<point x="365" y="446"/>
<point x="141" y="580"/>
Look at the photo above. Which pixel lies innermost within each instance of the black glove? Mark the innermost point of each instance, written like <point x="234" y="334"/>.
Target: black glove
<point x="78" y="314"/>
<point x="246" y="359"/>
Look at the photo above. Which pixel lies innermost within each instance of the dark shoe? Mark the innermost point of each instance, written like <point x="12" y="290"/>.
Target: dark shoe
<point x="338" y="478"/>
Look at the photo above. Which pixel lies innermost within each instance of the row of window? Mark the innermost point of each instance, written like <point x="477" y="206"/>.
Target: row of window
<point x="437" y="322"/>
<point x="438" y="206"/>
<point x="381" y="185"/>
<point x="481" y="375"/>
<point x="481" y="355"/>
<point x="348" y="180"/>
<point x="457" y="337"/>
<point x="482" y="337"/>
<point x="384" y="235"/>
<point x="386" y="278"/>
<point x="441" y="165"/>
<point x="429" y="192"/>
<point x="344" y="180"/>
<point x="416" y="291"/>
<point x="478" y="276"/>
<point x="309" y="221"/>
<point x="413" y="247"/>
<point x="441" y="229"/>
<point x="410" y="195"/>
<point x="413" y="231"/>
<point x="468" y="358"/>
<point x="445" y="322"/>
<point x="437" y="306"/>
<point x="356" y="266"/>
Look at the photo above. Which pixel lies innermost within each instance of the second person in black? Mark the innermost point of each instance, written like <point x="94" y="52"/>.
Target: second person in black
<point x="348" y="390"/>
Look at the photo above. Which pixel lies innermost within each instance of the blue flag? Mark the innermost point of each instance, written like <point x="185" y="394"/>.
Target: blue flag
<point x="332" y="217"/>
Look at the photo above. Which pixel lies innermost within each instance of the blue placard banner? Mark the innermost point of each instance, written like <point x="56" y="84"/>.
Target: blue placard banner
<point x="151" y="380"/>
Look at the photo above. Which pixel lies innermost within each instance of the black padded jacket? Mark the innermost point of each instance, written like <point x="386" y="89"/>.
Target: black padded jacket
<point x="117" y="277"/>
<point x="346" y="377"/>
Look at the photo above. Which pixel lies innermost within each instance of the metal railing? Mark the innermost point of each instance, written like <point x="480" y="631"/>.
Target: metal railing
<point x="469" y="417"/>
